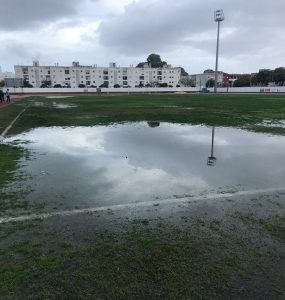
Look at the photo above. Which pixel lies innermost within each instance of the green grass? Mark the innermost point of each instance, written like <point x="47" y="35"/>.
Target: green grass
<point x="10" y="157"/>
<point x="245" y="111"/>
<point x="140" y="263"/>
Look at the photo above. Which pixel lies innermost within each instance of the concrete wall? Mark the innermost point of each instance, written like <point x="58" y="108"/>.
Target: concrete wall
<point x="280" y="89"/>
<point x="103" y="90"/>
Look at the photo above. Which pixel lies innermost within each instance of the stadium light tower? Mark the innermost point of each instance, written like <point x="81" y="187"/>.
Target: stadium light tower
<point x="219" y="17"/>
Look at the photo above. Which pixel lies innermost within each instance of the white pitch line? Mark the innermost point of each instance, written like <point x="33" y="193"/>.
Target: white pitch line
<point x="134" y="205"/>
<point x="12" y="123"/>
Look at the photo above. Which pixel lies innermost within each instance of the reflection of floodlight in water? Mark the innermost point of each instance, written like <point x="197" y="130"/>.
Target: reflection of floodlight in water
<point x="212" y="159"/>
<point x="219" y="17"/>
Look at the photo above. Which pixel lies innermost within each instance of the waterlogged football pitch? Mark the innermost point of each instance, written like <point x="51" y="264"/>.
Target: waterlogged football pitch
<point x="143" y="197"/>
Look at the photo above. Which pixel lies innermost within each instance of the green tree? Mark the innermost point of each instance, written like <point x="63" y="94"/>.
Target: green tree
<point x="104" y="85"/>
<point x="183" y="72"/>
<point x="164" y="84"/>
<point x="46" y="83"/>
<point x="186" y="81"/>
<point x="140" y="85"/>
<point x="264" y="76"/>
<point x="26" y="84"/>
<point x="140" y="65"/>
<point x="279" y="75"/>
<point x="81" y="85"/>
<point x="155" y="62"/>
<point x="243" y="81"/>
<point x="2" y="83"/>
<point x="57" y="85"/>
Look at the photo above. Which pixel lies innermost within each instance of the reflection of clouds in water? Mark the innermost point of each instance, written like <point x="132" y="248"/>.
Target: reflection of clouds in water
<point x="138" y="162"/>
<point x="71" y="141"/>
<point x="149" y="182"/>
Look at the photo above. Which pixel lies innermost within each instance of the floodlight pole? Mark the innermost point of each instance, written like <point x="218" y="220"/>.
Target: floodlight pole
<point x="213" y="138"/>
<point x="219" y="17"/>
<point x="212" y="159"/>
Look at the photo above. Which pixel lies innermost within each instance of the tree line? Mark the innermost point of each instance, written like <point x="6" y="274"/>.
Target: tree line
<point x="262" y="78"/>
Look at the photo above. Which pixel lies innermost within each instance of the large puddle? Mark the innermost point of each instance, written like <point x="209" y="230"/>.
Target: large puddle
<point x="109" y="165"/>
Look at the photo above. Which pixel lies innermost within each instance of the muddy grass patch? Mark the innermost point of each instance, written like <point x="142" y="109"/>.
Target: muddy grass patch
<point x="146" y="258"/>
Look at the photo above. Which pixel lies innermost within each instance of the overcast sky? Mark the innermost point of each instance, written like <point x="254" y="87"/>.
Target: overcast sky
<point x="183" y="32"/>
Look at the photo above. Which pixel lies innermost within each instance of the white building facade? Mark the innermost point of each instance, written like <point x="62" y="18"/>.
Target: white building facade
<point x="92" y="76"/>
<point x="200" y="80"/>
<point x="4" y="75"/>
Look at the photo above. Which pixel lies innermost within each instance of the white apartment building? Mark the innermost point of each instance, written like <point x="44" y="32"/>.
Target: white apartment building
<point x="93" y="76"/>
<point x="4" y="75"/>
<point x="200" y="80"/>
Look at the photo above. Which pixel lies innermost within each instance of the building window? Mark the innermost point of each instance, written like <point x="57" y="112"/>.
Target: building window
<point x="66" y="71"/>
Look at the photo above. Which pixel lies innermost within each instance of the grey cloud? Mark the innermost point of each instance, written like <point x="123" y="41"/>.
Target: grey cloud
<point x="22" y="14"/>
<point x="156" y="26"/>
<point x="13" y="52"/>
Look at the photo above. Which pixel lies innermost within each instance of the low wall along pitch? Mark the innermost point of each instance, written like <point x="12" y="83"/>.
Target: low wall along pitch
<point x="280" y="89"/>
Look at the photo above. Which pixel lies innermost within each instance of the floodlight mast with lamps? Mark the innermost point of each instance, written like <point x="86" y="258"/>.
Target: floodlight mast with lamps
<point x="219" y="17"/>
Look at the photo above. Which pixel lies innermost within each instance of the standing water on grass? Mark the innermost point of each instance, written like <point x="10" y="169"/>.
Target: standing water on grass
<point x="106" y="165"/>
